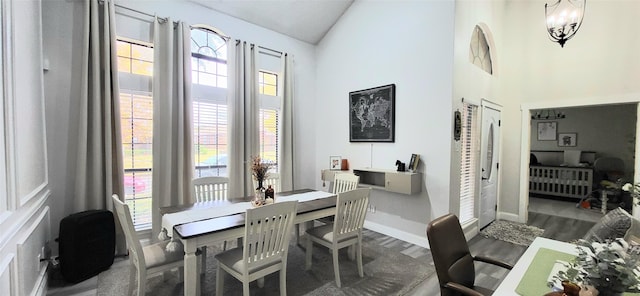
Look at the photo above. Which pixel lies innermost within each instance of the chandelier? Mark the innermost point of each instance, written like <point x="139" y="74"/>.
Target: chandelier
<point x="548" y="114"/>
<point x="564" y="19"/>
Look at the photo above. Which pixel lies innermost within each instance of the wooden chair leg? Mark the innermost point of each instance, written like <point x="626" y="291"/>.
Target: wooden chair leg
<point x="245" y="288"/>
<point x="336" y="267"/>
<point x="283" y="281"/>
<point x="142" y="281"/>
<point x="351" y="251"/>
<point x="133" y="277"/>
<point x="203" y="264"/>
<point x="359" y="256"/>
<point x="309" y="247"/>
<point x="219" y="281"/>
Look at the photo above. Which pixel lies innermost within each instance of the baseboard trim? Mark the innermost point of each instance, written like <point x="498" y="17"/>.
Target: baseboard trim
<point x="399" y="234"/>
<point x="509" y="217"/>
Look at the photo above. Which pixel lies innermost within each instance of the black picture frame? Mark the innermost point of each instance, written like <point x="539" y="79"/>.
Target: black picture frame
<point x="567" y="139"/>
<point x="372" y="114"/>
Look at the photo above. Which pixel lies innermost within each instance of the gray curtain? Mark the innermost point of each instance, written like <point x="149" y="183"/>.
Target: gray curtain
<point x="173" y="165"/>
<point x="286" y="156"/>
<point x="99" y="167"/>
<point x="243" y="116"/>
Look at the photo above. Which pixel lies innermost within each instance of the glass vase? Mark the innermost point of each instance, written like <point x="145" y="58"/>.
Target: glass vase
<point x="259" y="197"/>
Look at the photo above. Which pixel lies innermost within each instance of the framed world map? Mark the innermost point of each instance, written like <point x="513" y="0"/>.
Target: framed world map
<point x="372" y="114"/>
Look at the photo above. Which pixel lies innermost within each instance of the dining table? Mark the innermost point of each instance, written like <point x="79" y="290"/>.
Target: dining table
<point x="534" y="270"/>
<point x="217" y="221"/>
<point x="529" y="275"/>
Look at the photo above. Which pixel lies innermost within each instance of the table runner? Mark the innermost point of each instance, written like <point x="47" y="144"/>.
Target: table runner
<point x="173" y="219"/>
<point x="534" y="280"/>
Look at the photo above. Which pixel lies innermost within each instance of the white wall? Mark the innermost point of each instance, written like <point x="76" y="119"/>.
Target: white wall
<point x="62" y="38"/>
<point x="599" y="65"/>
<point x="410" y="44"/>
<point x="24" y="194"/>
<point x="470" y="82"/>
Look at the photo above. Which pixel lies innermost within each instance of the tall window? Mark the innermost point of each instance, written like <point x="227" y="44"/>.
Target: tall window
<point x="269" y="112"/>
<point x="135" y="67"/>
<point x="468" y="162"/>
<point x="210" y="123"/>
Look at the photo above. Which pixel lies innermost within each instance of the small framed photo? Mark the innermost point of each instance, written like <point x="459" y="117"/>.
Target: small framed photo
<point x="567" y="139"/>
<point x="547" y="130"/>
<point x="335" y="163"/>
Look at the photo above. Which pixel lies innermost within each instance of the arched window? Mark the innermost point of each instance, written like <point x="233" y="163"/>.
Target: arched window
<point x="208" y="57"/>
<point x="209" y="92"/>
<point x="480" y="51"/>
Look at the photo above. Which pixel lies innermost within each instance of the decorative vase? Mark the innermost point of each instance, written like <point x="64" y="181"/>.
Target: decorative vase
<point x="259" y="194"/>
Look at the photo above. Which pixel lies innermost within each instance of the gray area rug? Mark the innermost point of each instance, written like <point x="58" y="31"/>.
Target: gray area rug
<point x="391" y="267"/>
<point x="515" y="233"/>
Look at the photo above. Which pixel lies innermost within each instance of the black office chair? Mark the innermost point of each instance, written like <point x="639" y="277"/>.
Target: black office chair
<point x="453" y="260"/>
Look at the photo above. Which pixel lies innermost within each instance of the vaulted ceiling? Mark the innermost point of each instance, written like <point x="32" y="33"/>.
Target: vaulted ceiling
<point x="305" y="20"/>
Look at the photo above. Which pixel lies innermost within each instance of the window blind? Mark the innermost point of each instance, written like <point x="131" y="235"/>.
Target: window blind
<point x="468" y="162"/>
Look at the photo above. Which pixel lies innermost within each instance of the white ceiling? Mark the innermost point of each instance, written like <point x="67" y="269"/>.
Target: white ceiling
<point x="305" y="20"/>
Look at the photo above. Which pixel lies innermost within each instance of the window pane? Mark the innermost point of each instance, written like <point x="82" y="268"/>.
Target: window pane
<point x="222" y="81"/>
<point x="222" y="69"/>
<point x="210" y="138"/>
<point x="213" y="47"/>
<point x="270" y="90"/>
<point x="207" y="79"/>
<point x="269" y="135"/>
<point x="123" y="49"/>
<point x="268" y="83"/>
<point x="198" y="38"/>
<point x="142" y="53"/>
<point x="270" y="79"/>
<point x="136" y="115"/>
<point x="142" y="67"/>
<point x="124" y="65"/>
<point x="206" y="66"/>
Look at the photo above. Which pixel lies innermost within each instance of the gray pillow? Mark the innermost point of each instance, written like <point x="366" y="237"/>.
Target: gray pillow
<point x="613" y="225"/>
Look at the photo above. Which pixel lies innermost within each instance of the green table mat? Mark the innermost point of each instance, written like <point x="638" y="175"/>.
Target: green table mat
<point x="534" y="280"/>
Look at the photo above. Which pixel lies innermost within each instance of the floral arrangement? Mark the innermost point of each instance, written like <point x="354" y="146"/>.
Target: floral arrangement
<point x="611" y="267"/>
<point x="260" y="169"/>
<point x="634" y="190"/>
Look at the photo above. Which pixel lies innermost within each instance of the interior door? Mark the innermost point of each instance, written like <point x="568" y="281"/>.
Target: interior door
<point x="489" y="163"/>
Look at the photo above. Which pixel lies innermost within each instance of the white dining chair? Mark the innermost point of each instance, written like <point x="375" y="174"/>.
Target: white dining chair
<point x="345" y="231"/>
<point x="342" y="182"/>
<point x="272" y="179"/>
<point x="265" y="247"/>
<point x="210" y="188"/>
<point x="149" y="260"/>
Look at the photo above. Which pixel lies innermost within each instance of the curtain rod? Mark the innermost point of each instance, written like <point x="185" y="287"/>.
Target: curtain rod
<point x="135" y="10"/>
<point x="262" y="47"/>
<point x="162" y="19"/>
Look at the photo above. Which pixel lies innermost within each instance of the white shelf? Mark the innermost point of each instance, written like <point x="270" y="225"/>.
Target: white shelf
<point x="392" y="181"/>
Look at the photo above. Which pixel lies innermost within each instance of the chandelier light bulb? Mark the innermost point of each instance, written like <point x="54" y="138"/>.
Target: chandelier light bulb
<point x="564" y="18"/>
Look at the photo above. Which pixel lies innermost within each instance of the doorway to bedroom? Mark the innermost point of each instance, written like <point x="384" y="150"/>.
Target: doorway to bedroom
<point x="566" y="146"/>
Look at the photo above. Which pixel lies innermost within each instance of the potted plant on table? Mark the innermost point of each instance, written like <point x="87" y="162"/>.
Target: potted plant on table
<point x="610" y="267"/>
<point x="259" y="171"/>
